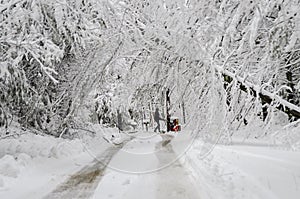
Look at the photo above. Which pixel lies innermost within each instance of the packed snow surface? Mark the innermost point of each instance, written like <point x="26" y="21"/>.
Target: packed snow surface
<point x="145" y="164"/>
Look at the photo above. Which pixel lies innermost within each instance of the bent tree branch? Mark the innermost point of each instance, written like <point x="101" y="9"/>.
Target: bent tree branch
<point x="267" y="97"/>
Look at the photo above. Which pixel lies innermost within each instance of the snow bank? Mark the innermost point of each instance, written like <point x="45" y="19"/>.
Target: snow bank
<point x="18" y="154"/>
<point x="246" y="168"/>
<point x="278" y="132"/>
<point x="9" y="166"/>
<point x="66" y="148"/>
<point x="110" y="135"/>
<point x="43" y="162"/>
<point x="40" y="146"/>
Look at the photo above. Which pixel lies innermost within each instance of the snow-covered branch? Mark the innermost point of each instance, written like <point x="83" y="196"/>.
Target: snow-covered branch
<point x="265" y="95"/>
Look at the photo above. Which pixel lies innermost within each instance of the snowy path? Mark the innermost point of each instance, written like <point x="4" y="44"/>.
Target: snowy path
<point x="152" y="166"/>
<point x="173" y="181"/>
<point x="148" y="167"/>
<point x="83" y="183"/>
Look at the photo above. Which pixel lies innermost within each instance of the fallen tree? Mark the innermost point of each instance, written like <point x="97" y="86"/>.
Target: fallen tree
<point x="266" y="97"/>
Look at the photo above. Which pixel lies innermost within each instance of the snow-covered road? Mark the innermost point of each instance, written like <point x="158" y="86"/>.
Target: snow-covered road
<point x="147" y="165"/>
<point x="83" y="183"/>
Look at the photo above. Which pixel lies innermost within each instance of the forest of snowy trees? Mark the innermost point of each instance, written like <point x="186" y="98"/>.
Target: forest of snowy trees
<point x="228" y="61"/>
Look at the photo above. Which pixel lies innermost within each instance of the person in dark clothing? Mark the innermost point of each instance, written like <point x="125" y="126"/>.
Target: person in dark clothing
<point x="156" y="119"/>
<point x="119" y="121"/>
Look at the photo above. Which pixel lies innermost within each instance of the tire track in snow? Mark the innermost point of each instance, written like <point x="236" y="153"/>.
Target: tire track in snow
<point x="83" y="183"/>
<point x="173" y="181"/>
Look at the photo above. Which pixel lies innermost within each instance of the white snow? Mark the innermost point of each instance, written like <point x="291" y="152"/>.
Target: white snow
<point x="246" y="169"/>
<point x="144" y="168"/>
<point x="151" y="165"/>
<point x="33" y="165"/>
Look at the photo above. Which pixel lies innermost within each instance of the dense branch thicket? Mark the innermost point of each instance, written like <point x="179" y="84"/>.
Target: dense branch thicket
<point x="181" y="43"/>
<point x="57" y="57"/>
<point x="47" y="50"/>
